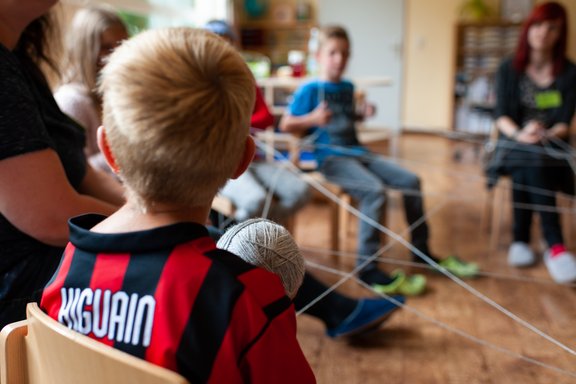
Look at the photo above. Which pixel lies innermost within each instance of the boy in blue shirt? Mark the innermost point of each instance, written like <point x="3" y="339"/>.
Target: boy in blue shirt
<point x="326" y="109"/>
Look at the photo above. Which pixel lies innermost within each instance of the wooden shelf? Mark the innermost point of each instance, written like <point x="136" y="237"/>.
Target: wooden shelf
<point x="271" y="37"/>
<point x="480" y="48"/>
<point x="269" y="24"/>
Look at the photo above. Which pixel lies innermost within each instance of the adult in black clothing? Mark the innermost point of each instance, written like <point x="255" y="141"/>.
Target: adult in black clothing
<point x="44" y="178"/>
<point x="536" y="99"/>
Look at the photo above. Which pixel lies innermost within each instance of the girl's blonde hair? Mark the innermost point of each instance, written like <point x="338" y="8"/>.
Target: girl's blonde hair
<point x="83" y="43"/>
<point x="177" y="107"/>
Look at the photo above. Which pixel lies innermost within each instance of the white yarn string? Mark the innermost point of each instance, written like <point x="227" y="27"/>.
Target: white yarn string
<point x="511" y="186"/>
<point x="448" y="327"/>
<point x="424" y="257"/>
<point x="406" y="263"/>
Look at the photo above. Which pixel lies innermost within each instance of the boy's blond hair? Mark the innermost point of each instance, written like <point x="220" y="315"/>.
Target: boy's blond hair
<point x="332" y="32"/>
<point x="177" y="104"/>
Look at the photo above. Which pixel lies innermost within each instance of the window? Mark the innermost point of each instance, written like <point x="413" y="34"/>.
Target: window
<point x="143" y="14"/>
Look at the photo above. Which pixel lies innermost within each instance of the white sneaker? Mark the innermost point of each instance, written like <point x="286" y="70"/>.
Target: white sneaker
<point x="562" y="268"/>
<point x="520" y="255"/>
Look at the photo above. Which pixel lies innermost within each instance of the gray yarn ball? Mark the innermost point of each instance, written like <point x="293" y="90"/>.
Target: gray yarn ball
<point x="268" y="245"/>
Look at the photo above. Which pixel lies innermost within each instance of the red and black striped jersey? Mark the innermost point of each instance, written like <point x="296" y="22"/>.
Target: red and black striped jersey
<point x="169" y="296"/>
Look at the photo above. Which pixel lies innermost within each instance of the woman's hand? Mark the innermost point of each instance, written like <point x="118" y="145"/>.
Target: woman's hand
<point x="532" y="133"/>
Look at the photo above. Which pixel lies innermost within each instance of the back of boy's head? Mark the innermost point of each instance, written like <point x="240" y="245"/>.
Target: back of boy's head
<point x="333" y="31"/>
<point x="177" y="104"/>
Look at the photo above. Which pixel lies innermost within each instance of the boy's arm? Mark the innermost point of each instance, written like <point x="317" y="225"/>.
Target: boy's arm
<point x="266" y="362"/>
<point x="318" y="117"/>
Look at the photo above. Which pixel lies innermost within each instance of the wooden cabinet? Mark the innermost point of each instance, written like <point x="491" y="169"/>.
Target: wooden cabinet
<point x="480" y="48"/>
<point x="279" y="30"/>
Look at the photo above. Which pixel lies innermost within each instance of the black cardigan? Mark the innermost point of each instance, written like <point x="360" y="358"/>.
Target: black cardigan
<point x="508" y="104"/>
<point x="508" y="94"/>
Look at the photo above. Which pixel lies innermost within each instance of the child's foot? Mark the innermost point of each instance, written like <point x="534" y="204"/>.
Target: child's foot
<point x="520" y="255"/>
<point x="460" y="268"/>
<point x="561" y="267"/>
<point x="368" y="314"/>
<point x="454" y="265"/>
<point x="399" y="283"/>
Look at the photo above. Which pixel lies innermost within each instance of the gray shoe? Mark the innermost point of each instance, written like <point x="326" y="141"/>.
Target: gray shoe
<point x="520" y="255"/>
<point x="562" y="268"/>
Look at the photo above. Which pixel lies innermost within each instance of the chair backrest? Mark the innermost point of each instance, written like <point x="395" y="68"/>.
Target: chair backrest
<point x="40" y="350"/>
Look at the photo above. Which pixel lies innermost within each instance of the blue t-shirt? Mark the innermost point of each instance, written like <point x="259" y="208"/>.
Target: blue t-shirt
<point x="338" y="137"/>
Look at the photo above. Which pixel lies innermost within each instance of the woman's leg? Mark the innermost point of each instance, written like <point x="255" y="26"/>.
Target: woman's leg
<point x="521" y="205"/>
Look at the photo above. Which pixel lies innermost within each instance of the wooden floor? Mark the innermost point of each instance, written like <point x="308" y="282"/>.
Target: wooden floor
<point x="414" y="348"/>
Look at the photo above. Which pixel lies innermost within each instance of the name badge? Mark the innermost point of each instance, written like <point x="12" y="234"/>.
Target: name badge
<point x="548" y="99"/>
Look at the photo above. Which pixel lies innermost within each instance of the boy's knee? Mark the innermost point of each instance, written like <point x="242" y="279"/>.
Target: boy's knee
<point x="413" y="181"/>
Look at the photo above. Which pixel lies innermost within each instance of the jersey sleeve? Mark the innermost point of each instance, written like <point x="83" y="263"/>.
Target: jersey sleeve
<point x="21" y="126"/>
<point x="276" y="357"/>
<point x="262" y="334"/>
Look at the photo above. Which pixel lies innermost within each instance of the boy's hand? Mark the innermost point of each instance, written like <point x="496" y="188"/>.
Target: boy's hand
<point x="369" y="110"/>
<point x="321" y="115"/>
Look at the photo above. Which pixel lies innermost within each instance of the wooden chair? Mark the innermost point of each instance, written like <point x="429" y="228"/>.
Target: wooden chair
<point x="40" y="350"/>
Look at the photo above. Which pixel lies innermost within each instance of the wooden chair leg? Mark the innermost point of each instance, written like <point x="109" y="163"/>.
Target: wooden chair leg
<point x="335" y="231"/>
<point x="566" y="203"/>
<point x="344" y="220"/>
<point x="487" y="212"/>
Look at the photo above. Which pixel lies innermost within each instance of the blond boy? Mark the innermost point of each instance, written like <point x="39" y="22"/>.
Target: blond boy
<point x="325" y="107"/>
<point x="148" y="279"/>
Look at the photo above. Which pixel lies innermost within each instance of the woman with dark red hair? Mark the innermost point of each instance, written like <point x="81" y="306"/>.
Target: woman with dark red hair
<point x="536" y="99"/>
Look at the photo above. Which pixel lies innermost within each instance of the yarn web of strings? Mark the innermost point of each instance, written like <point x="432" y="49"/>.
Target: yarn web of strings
<point x="399" y="239"/>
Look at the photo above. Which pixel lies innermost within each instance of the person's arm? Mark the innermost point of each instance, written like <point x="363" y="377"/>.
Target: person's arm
<point x="320" y="116"/>
<point x="37" y="198"/>
<point x="531" y="133"/>
<point x="566" y="114"/>
<point x="558" y="131"/>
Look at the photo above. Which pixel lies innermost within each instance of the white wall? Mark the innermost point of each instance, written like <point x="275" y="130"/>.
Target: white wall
<point x="376" y="31"/>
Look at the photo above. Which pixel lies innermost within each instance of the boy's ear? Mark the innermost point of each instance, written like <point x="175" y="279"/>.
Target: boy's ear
<point x="105" y="149"/>
<point x="249" y="150"/>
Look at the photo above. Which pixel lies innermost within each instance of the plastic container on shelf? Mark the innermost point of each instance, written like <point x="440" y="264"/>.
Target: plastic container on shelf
<point x="258" y="63"/>
<point x="296" y="62"/>
<point x="311" y="63"/>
